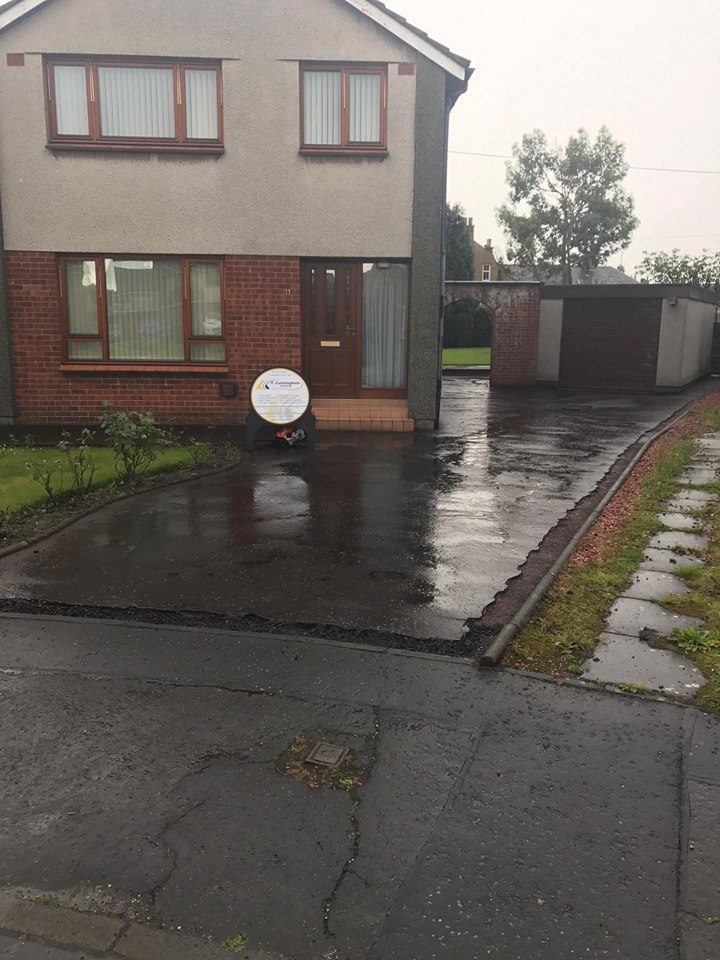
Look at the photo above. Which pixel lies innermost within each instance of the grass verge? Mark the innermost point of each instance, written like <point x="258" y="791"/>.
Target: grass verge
<point x="567" y="624"/>
<point x="466" y="356"/>
<point x="18" y="491"/>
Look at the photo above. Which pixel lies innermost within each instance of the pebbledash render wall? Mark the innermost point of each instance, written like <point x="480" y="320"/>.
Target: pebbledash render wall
<point x="263" y="329"/>
<point x="260" y="205"/>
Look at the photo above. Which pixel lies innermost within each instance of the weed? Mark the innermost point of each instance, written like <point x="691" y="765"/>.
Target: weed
<point x="48" y="473"/>
<point x="633" y="688"/>
<point x="200" y="453"/>
<point x="348" y="775"/>
<point x="692" y="640"/>
<point x="236" y="944"/>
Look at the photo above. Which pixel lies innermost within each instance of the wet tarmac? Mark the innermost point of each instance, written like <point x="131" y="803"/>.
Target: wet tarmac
<point x="407" y="534"/>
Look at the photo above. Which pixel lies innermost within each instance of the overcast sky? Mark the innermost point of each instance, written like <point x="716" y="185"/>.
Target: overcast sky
<point x="649" y="69"/>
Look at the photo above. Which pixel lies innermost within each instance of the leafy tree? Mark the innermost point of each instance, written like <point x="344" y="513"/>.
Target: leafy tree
<point x="467" y="324"/>
<point x="460" y="260"/>
<point x="567" y="205"/>
<point x="702" y="270"/>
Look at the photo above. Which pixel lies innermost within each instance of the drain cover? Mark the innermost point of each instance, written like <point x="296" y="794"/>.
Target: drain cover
<point x="327" y="754"/>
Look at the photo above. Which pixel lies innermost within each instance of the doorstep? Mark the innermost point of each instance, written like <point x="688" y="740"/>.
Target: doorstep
<point x="376" y="415"/>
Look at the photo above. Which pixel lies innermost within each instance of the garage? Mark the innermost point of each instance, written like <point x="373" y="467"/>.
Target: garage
<point x="610" y="344"/>
<point x="634" y="338"/>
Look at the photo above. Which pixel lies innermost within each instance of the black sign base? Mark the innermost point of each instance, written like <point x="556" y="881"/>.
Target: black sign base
<point x="253" y="423"/>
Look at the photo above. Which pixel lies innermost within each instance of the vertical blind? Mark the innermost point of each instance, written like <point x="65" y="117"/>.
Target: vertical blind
<point x="201" y="108"/>
<point x="364" y="94"/>
<point x="322" y="108"/>
<point x="71" y="108"/>
<point x="145" y="312"/>
<point x="205" y="299"/>
<point x="136" y="102"/>
<point x="385" y="321"/>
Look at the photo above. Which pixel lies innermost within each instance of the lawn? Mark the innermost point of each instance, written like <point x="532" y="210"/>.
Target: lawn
<point x="466" y="357"/>
<point x="18" y="489"/>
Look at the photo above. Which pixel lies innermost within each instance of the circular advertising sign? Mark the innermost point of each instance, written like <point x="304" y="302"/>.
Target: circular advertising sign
<point x="280" y="396"/>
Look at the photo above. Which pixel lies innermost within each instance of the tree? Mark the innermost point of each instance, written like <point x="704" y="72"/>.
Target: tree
<point x="702" y="270"/>
<point x="567" y="206"/>
<point x="460" y="260"/>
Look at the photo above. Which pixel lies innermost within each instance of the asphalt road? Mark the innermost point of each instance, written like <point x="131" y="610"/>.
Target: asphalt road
<point x="502" y="816"/>
<point x="409" y="535"/>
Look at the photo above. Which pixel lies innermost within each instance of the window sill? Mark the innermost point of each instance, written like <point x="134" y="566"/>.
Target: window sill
<point x="80" y="146"/>
<point x="143" y="368"/>
<point x="379" y="153"/>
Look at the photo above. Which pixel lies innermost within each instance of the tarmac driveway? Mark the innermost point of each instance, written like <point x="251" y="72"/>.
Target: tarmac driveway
<point x="396" y="533"/>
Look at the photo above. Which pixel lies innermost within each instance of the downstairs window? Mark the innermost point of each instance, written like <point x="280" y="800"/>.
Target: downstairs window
<point x="137" y="310"/>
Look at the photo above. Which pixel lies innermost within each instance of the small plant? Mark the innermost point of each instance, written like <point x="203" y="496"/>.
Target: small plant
<point x="633" y="688"/>
<point x="48" y="473"/>
<point x="691" y="640"/>
<point x="201" y="454"/>
<point x="135" y="439"/>
<point x="80" y="462"/>
<point x="236" y="944"/>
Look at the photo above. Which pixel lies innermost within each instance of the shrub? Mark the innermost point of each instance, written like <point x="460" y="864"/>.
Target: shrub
<point x="467" y="324"/>
<point x="135" y="439"/>
<point x="79" y="459"/>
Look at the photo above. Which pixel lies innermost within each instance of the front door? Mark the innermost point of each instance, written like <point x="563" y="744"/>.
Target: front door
<point x="331" y="295"/>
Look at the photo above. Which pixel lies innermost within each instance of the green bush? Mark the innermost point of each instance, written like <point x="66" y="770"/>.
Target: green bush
<point x="135" y="439"/>
<point x="467" y="324"/>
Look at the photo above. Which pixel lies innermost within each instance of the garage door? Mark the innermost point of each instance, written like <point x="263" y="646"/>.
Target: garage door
<point x="610" y="343"/>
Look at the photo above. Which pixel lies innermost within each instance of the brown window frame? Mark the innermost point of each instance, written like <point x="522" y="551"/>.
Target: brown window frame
<point x="346" y="146"/>
<point x="96" y="141"/>
<point x="101" y="291"/>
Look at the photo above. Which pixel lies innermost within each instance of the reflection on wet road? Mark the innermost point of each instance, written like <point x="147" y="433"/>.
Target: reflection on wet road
<point x="400" y="533"/>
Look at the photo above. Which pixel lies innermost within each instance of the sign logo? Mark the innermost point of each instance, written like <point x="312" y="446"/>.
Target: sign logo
<point x="280" y="396"/>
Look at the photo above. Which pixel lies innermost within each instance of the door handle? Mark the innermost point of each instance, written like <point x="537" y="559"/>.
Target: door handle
<point x="350" y="331"/>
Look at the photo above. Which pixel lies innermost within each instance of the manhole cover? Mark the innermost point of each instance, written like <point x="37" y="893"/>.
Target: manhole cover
<point x="327" y="754"/>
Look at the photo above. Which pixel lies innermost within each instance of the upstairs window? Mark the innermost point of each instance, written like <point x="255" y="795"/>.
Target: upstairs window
<point x="486" y="271"/>
<point x="134" y="104"/>
<point x="344" y="109"/>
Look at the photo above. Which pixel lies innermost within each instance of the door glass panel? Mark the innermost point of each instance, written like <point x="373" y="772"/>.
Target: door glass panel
<point x="385" y="316"/>
<point x="330" y="301"/>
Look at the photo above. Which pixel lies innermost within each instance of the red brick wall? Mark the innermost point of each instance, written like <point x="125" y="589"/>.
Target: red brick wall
<point x="262" y="330"/>
<point x="516" y="327"/>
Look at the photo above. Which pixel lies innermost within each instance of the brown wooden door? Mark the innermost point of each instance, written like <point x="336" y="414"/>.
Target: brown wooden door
<point x="331" y="327"/>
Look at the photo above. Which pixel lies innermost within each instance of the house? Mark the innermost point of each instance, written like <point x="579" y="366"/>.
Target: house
<point x="602" y="276"/>
<point x="485" y="265"/>
<point x="193" y="193"/>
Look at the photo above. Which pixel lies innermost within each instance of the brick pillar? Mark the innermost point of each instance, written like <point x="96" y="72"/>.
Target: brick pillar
<point x="516" y="326"/>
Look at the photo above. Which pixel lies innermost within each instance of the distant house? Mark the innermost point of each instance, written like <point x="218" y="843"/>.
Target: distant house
<point x="485" y="265"/>
<point x="192" y="193"/>
<point x="602" y="276"/>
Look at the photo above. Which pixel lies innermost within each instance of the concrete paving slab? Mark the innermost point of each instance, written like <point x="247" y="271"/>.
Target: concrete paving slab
<point x="704" y="755"/>
<point x="679" y="521"/>
<point x="12" y="949"/>
<point x="51" y="922"/>
<point x="622" y="659"/>
<point x="665" y="561"/>
<point x="630" y="617"/>
<point x="699" y="475"/>
<point x="699" y="940"/>
<point x="669" y="539"/>
<point x="702" y="891"/>
<point x="410" y="535"/>
<point x="696" y="497"/>
<point x="680" y="505"/>
<point x="650" y="585"/>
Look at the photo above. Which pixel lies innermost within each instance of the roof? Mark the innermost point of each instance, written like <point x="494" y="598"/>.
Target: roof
<point x="13" y="10"/>
<point x="603" y="276"/>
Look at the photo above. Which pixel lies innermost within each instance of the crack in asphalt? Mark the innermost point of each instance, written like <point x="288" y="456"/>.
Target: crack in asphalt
<point x="372" y="743"/>
<point x="173" y="854"/>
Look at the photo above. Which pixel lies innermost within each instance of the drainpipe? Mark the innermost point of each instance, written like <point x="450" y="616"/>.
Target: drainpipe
<point x="7" y="392"/>
<point x="449" y="101"/>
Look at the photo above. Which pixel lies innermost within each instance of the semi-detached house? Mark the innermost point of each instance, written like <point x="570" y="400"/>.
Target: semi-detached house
<point x="192" y="192"/>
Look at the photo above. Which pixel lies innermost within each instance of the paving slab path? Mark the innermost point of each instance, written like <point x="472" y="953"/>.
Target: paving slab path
<point x="502" y="816"/>
<point x="410" y="535"/>
<point x="626" y="653"/>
